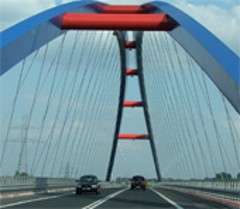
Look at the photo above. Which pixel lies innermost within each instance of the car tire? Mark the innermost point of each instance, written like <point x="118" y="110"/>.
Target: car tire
<point x="97" y="192"/>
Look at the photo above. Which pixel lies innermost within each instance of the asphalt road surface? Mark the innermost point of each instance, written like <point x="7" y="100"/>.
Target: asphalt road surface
<point x="113" y="198"/>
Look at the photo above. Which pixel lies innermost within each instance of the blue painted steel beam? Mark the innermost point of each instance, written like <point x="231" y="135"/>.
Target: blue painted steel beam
<point x="220" y="63"/>
<point x="22" y="39"/>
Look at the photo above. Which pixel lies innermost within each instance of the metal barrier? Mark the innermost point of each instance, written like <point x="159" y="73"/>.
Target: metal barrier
<point x="231" y="185"/>
<point x="223" y="191"/>
<point x="23" y="184"/>
<point x="31" y="185"/>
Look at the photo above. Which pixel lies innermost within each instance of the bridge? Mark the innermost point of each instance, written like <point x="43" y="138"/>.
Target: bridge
<point x="118" y="91"/>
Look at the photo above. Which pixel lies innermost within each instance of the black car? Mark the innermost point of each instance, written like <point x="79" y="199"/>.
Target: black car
<point x="88" y="183"/>
<point x="138" y="182"/>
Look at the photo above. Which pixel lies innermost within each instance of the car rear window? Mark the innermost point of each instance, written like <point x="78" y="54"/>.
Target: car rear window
<point x="138" y="178"/>
<point x="88" y="179"/>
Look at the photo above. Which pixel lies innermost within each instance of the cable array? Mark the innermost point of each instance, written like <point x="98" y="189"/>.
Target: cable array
<point x="70" y="91"/>
<point x="189" y="132"/>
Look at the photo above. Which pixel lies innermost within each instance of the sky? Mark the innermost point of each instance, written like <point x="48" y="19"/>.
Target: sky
<point x="221" y="17"/>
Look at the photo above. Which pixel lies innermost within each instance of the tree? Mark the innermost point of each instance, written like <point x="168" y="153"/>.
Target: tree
<point x="21" y="174"/>
<point x="223" y="176"/>
<point x="238" y="176"/>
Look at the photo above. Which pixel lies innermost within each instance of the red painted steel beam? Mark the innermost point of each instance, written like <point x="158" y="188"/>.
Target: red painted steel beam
<point x="131" y="72"/>
<point x="150" y="22"/>
<point x="130" y="44"/>
<point x="132" y="104"/>
<point x="133" y="136"/>
<point x="121" y="9"/>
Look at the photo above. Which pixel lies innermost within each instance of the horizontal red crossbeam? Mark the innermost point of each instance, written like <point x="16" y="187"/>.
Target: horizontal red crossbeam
<point x="132" y="104"/>
<point x="121" y="9"/>
<point x="130" y="44"/>
<point x="131" y="72"/>
<point x="133" y="136"/>
<point x="160" y="22"/>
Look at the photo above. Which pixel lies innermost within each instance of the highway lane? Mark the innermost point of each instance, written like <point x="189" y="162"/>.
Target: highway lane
<point x="159" y="198"/>
<point x="54" y="200"/>
<point x="187" y="201"/>
<point x="114" y="198"/>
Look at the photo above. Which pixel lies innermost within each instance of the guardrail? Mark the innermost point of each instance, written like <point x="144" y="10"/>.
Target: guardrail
<point x="31" y="185"/>
<point x="223" y="191"/>
<point x="232" y="185"/>
<point x="39" y="184"/>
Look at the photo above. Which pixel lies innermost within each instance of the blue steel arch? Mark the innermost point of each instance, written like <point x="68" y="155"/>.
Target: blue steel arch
<point x="220" y="63"/>
<point x="216" y="59"/>
<point x="22" y="39"/>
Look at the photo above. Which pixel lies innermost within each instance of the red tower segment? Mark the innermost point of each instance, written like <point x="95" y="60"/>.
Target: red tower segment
<point x="133" y="136"/>
<point x="132" y="104"/>
<point x="131" y="72"/>
<point x="130" y="44"/>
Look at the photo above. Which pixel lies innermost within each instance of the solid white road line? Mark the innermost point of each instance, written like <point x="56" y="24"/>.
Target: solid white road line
<point x="105" y="199"/>
<point x="32" y="200"/>
<point x="167" y="199"/>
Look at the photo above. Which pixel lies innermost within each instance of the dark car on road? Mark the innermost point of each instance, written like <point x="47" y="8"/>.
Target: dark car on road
<point x="88" y="183"/>
<point x="138" y="182"/>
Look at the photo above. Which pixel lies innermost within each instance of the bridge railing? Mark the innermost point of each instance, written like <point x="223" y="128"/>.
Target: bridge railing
<point x="230" y="185"/>
<point x="22" y="185"/>
<point x="9" y="184"/>
<point x="223" y="191"/>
